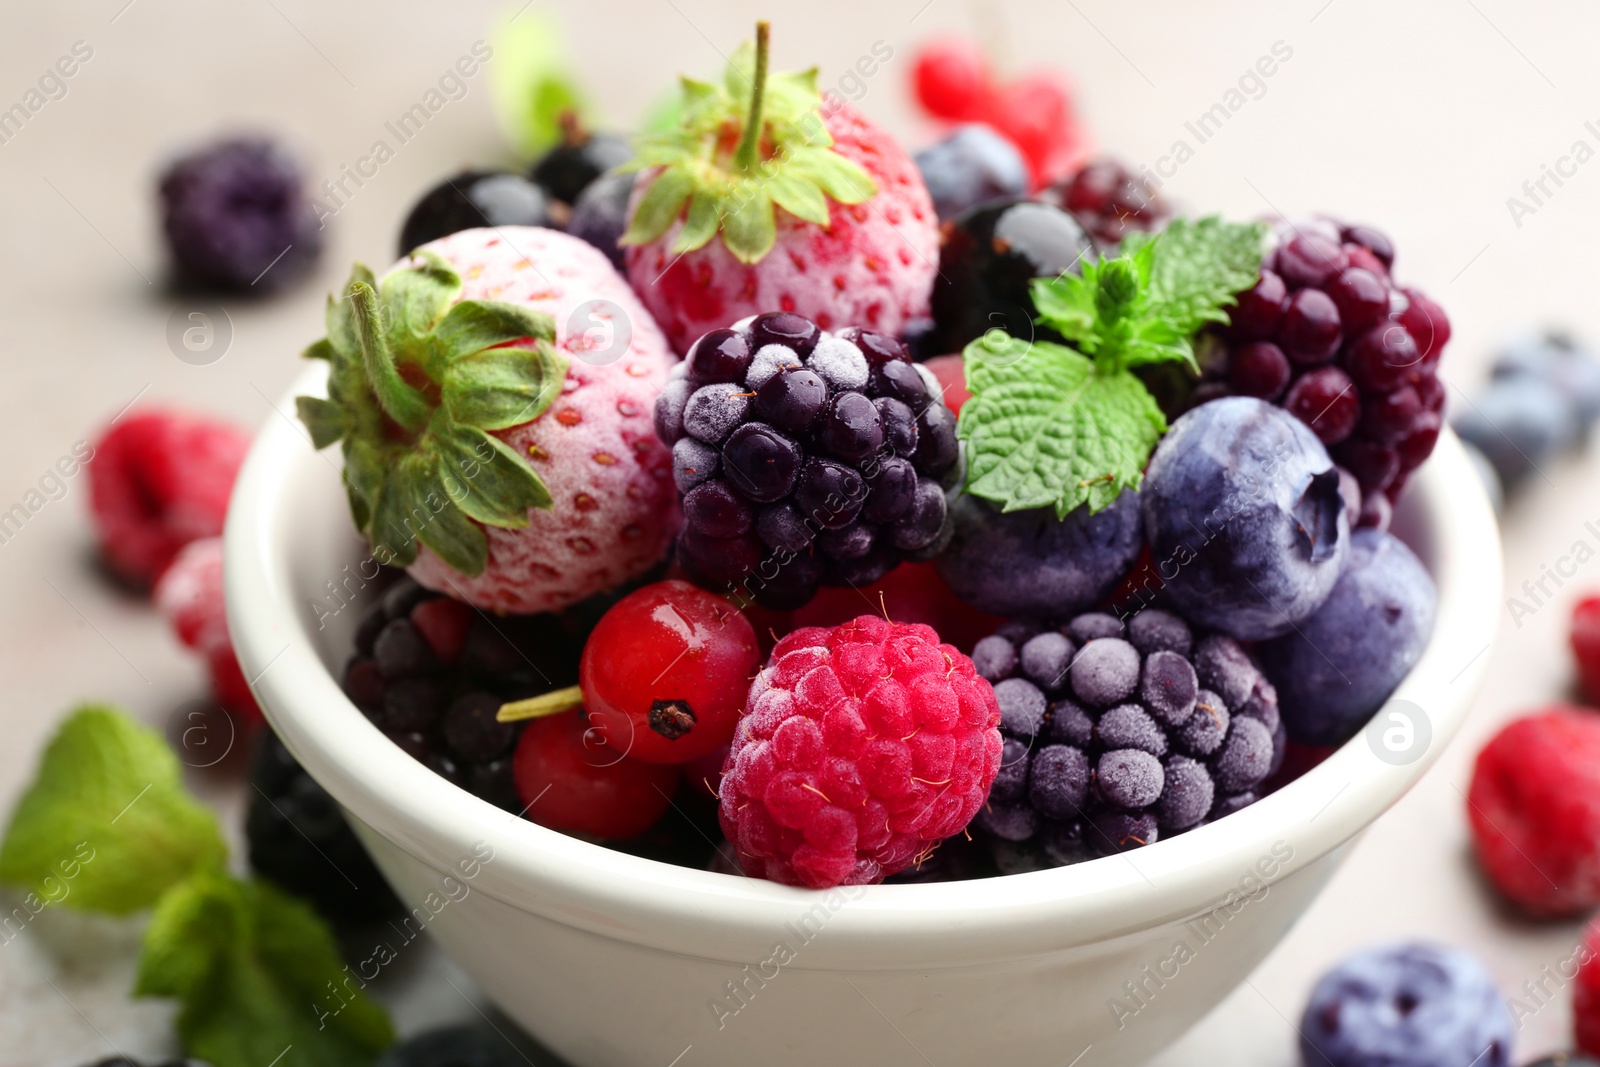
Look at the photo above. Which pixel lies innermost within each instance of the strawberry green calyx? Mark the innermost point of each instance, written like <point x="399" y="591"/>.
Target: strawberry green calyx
<point x="755" y="143"/>
<point x="418" y="383"/>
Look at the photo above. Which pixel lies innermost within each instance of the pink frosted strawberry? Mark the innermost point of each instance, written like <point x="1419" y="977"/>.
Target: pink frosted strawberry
<point x="493" y="395"/>
<point x="768" y="198"/>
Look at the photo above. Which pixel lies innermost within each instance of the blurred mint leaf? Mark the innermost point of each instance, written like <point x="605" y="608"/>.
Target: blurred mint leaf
<point x="111" y="790"/>
<point x="532" y="81"/>
<point x="258" y="979"/>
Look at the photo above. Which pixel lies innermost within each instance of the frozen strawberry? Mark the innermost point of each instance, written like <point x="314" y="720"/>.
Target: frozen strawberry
<point x="159" y="479"/>
<point x="771" y="199"/>
<point x="493" y="395"/>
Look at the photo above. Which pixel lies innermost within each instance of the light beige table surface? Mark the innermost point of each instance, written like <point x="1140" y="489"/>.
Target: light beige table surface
<point x="1422" y="116"/>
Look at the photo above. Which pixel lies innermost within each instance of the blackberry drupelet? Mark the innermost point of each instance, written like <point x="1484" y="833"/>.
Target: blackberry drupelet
<point x="1109" y="200"/>
<point x="804" y="458"/>
<point x="431" y="672"/>
<point x="1117" y="734"/>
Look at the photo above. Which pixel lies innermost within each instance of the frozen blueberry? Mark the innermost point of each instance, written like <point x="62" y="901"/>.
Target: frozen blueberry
<point x="1105" y="671"/>
<point x="1203" y="733"/>
<point x="1168" y="686"/>
<point x="1245" y="757"/>
<point x="1187" y="796"/>
<point x="1070" y="724"/>
<point x="1153" y="630"/>
<point x="1093" y="624"/>
<point x="971" y="166"/>
<point x="1031" y="563"/>
<point x="1011" y="781"/>
<point x="1407" y="1005"/>
<point x="1130" y="726"/>
<point x="1225" y="668"/>
<point x="1345" y="660"/>
<point x="1519" y="423"/>
<point x="1243" y="499"/>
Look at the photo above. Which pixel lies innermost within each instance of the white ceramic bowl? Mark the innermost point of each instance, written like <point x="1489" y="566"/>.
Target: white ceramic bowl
<point x="616" y="961"/>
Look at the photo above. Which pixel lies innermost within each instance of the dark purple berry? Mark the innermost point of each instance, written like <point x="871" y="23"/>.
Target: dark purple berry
<point x="937" y="448"/>
<point x="470" y="729"/>
<point x="1326" y="400"/>
<point x="923" y="522"/>
<point x="1260" y="369"/>
<point x="761" y="462"/>
<point x="891" y="490"/>
<point x="1255" y="317"/>
<point x="830" y="494"/>
<point x="719" y="356"/>
<point x="471" y="200"/>
<point x="903" y="382"/>
<point x="716" y="510"/>
<point x="851" y="429"/>
<point x="782" y="527"/>
<point x="570" y="167"/>
<point x="791" y="399"/>
<point x="1309" y="260"/>
<point x="1310" y="330"/>
<point x="899" y="425"/>
<point x="784" y="328"/>
<point x="852" y="542"/>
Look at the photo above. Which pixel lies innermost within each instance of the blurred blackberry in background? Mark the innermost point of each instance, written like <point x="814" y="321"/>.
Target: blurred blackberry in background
<point x="1118" y="735"/>
<point x="573" y="165"/>
<point x="473" y="199"/>
<point x="299" y="840"/>
<point x="1109" y="200"/>
<point x="804" y="458"/>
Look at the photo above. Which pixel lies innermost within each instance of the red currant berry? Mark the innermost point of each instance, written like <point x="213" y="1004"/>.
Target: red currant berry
<point x="1325" y="399"/>
<point x="1309" y="261"/>
<point x="1382" y="358"/>
<point x="666" y="671"/>
<point x="1255" y="317"/>
<point x="1427" y="322"/>
<point x="1362" y="297"/>
<point x="572" y="780"/>
<point x="1311" y="328"/>
<point x="1260" y="370"/>
<point x="951" y="78"/>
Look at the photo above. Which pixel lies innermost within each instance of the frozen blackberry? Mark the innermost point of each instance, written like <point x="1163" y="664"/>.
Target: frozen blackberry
<point x="298" y="839"/>
<point x="431" y="672"/>
<point x="1328" y="334"/>
<point x="1117" y="734"/>
<point x="804" y="458"/>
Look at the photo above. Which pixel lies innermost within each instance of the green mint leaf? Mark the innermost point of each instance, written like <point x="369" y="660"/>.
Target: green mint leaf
<point x="473" y="325"/>
<point x="531" y="81"/>
<point x="486" y="478"/>
<point x="497" y="388"/>
<point x="1048" y="427"/>
<point x="323" y="419"/>
<point x="108" y="802"/>
<point x="1198" y="268"/>
<point x="258" y="979"/>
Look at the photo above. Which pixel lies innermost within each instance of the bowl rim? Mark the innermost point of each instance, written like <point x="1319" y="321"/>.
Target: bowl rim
<point x="707" y="914"/>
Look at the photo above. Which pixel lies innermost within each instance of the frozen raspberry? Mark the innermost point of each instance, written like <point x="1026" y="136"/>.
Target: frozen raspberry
<point x="1534" y="805"/>
<point x="1586" y="998"/>
<point x="189" y="594"/>
<point x="1585" y="639"/>
<point x="860" y="749"/>
<point x="158" y="480"/>
<point x="237" y="216"/>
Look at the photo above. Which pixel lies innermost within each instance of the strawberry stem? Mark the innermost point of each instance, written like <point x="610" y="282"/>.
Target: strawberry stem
<point x="400" y="401"/>
<point x="539" y="707"/>
<point x="747" y="155"/>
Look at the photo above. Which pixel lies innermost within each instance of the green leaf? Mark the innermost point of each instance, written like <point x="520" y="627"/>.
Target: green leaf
<point x="440" y="524"/>
<point x="258" y="979"/>
<point x="660" y="206"/>
<point x="1199" y="267"/>
<point x="498" y="388"/>
<point x="1047" y="427"/>
<point x="750" y="230"/>
<point x="474" y="325"/>
<point x="323" y="418"/>
<point x="108" y="804"/>
<point x="412" y="299"/>
<point x="486" y="478"/>
<point x="531" y="82"/>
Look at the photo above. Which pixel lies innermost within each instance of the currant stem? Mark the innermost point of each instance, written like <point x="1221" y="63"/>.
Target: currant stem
<point x="748" y="154"/>
<point x="399" y="400"/>
<point x="539" y="707"/>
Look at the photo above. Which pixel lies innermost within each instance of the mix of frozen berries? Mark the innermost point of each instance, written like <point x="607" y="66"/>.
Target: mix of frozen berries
<point x="861" y="748"/>
<point x="1109" y="200"/>
<point x="159" y="479"/>
<point x="804" y="458"/>
<point x="299" y="840"/>
<point x="1330" y="335"/>
<point x="237" y="217"/>
<point x="1534" y="807"/>
<point x="1119" y="734"/>
<point x="1407" y="1005"/>
<point x="432" y="672"/>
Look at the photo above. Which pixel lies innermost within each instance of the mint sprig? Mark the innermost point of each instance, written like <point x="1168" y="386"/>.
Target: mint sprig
<point x="783" y="158"/>
<point x="113" y="786"/>
<point x="1050" y="425"/>
<point x="107" y="826"/>
<point x="418" y="382"/>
